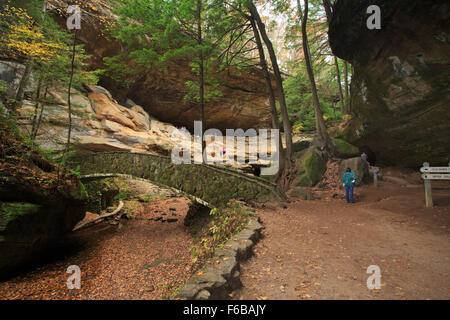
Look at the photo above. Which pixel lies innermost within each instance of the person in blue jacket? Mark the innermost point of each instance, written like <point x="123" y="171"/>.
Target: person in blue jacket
<point x="348" y="181"/>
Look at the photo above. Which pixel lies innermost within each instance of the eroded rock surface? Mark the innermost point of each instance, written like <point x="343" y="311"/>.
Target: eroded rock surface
<point x="243" y="103"/>
<point x="399" y="89"/>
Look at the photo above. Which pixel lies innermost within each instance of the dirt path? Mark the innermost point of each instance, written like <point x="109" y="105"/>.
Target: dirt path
<point x="138" y="259"/>
<point x="321" y="249"/>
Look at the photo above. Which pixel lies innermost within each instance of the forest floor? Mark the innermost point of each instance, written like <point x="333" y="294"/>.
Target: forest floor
<point x="315" y="249"/>
<point x="137" y="259"/>
<point x="321" y="249"/>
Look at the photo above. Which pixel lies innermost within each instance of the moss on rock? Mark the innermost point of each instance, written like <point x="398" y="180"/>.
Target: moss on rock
<point x="343" y="149"/>
<point x="9" y="212"/>
<point x="313" y="165"/>
<point x="301" y="145"/>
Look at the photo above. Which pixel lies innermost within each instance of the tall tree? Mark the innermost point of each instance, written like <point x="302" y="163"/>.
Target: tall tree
<point x="69" y="102"/>
<point x="321" y="128"/>
<point x="272" y="99"/>
<point x="347" y="102"/>
<point x="265" y="69"/>
<point x="338" y="80"/>
<point x="201" y="67"/>
<point x="279" y="82"/>
<point x="157" y="32"/>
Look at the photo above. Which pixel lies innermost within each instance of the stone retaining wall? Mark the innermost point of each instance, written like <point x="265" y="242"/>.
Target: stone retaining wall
<point x="218" y="280"/>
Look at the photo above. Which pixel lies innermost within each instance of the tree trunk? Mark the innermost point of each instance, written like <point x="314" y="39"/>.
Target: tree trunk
<point x="279" y="81"/>
<point x="263" y="63"/>
<point x="327" y="6"/>
<point x="347" y="102"/>
<point x="338" y="74"/>
<point x="321" y="128"/>
<point x="201" y="70"/>
<point x="69" y="104"/>
<point x="36" y="107"/>
<point x="271" y="94"/>
<point x="40" y="114"/>
<point x="22" y="84"/>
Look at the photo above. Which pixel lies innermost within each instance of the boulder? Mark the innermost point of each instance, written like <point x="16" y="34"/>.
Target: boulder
<point x="99" y="89"/>
<point x="343" y="149"/>
<point x="313" y="165"/>
<point x="301" y="145"/>
<point x="301" y="193"/>
<point x="358" y="166"/>
<point x="141" y="120"/>
<point x="106" y="109"/>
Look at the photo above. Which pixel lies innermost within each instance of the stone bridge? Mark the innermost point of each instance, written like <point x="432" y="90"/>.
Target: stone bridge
<point x="214" y="185"/>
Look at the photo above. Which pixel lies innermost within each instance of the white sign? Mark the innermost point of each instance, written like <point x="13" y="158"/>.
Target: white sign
<point x="436" y="176"/>
<point x="434" y="169"/>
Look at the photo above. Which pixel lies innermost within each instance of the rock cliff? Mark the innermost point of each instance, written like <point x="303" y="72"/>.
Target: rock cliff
<point x="39" y="201"/>
<point x="244" y="103"/>
<point x="400" y="87"/>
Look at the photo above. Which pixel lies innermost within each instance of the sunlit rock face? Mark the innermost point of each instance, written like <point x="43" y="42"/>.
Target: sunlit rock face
<point x="243" y="102"/>
<point x="400" y="87"/>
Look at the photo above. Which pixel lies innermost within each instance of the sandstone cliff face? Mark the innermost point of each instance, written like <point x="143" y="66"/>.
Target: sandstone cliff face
<point x="244" y="103"/>
<point x="99" y="123"/>
<point x="400" y="87"/>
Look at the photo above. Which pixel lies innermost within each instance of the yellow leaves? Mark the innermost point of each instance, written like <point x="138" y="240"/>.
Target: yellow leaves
<point x="346" y="117"/>
<point x="23" y="38"/>
<point x="297" y="128"/>
<point x="25" y="31"/>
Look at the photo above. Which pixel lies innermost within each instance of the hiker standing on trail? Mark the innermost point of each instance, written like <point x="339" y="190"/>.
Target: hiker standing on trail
<point x="348" y="181"/>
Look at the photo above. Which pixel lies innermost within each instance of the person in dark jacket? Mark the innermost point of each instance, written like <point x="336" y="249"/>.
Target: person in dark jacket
<point x="348" y="181"/>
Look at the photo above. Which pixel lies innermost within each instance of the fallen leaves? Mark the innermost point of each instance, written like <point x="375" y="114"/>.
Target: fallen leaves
<point x="111" y="262"/>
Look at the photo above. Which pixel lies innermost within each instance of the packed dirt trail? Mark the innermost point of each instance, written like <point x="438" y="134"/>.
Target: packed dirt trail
<point x="321" y="249"/>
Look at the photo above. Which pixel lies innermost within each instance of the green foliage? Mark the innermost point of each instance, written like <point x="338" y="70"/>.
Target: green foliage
<point x="298" y="91"/>
<point x="300" y="105"/>
<point x="158" y="33"/>
<point x="27" y="33"/>
<point x="224" y="224"/>
<point x="3" y="87"/>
